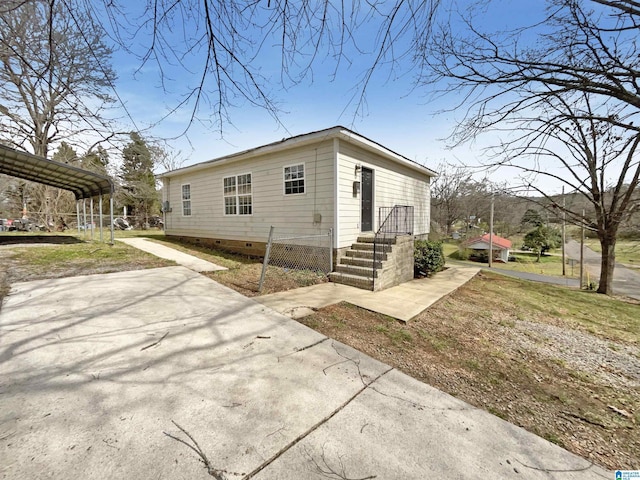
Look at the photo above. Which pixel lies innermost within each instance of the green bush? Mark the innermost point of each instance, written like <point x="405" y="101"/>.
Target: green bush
<point x="461" y="254"/>
<point x="429" y="257"/>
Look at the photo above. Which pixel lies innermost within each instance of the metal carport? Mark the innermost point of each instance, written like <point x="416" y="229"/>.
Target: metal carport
<point x="83" y="183"/>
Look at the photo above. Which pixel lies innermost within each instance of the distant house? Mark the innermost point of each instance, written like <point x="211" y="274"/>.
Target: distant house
<point x="501" y="246"/>
<point x="330" y="179"/>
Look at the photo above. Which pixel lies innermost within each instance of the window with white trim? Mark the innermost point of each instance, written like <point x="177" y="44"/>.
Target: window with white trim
<point x="294" y="179"/>
<point x="186" y="200"/>
<point x="237" y="193"/>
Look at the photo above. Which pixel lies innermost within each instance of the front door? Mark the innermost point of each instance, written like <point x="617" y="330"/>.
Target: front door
<point x="367" y="199"/>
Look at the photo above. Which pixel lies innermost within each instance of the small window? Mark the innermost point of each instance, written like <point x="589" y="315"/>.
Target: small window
<point x="186" y="200"/>
<point x="237" y="193"/>
<point x="294" y="179"/>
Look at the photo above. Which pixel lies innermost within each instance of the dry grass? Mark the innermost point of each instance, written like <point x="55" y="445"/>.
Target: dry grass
<point x="529" y="353"/>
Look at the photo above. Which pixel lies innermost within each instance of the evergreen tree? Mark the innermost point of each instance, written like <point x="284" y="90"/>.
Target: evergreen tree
<point x="96" y="161"/>
<point x="138" y="191"/>
<point x="531" y="218"/>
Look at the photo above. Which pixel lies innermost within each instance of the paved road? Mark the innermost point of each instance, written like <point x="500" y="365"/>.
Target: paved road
<point x="95" y="369"/>
<point x="625" y="280"/>
<point x="536" y="277"/>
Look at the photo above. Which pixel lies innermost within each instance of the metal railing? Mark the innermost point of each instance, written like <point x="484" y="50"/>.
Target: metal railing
<point x="392" y="221"/>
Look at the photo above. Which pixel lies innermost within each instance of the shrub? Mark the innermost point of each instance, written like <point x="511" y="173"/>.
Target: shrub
<point x="429" y="257"/>
<point x="462" y="254"/>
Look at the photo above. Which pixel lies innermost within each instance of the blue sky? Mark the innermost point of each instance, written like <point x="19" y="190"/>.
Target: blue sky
<point x="396" y="113"/>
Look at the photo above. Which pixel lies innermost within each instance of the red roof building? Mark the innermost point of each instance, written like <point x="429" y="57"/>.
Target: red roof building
<point x="501" y="246"/>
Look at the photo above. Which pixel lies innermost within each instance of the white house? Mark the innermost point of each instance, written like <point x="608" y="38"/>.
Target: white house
<point x="330" y="179"/>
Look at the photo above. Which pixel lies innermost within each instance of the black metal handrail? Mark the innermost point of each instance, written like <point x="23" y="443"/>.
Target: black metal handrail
<point x="398" y="220"/>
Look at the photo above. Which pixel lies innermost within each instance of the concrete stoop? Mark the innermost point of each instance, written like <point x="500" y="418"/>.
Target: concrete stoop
<point x="356" y="267"/>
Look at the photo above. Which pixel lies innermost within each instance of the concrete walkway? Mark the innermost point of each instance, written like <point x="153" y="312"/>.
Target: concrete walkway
<point x="99" y="374"/>
<point x="402" y="302"/>
<point x="193" y="263"/>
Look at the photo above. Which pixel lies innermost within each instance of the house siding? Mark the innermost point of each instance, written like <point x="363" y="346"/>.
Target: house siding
<point x="270" y="206"/>
<point x="393" y="184"/>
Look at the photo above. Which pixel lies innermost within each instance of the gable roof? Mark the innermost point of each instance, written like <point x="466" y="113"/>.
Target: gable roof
<point x="339" y="132"/>
<point x="500" y="242"/>
<point x="83" y="183"/>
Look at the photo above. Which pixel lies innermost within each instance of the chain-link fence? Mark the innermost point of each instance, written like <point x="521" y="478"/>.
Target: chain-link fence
<point x="299" y="252"/>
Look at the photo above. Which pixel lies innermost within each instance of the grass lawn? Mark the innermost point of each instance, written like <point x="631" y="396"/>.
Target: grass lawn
<point x="63" y="260"/>
<point x="627" y="251"/>
<point x="243" y="274"/>
<point x="550" y="264"/>
<point x="561" y="363"/>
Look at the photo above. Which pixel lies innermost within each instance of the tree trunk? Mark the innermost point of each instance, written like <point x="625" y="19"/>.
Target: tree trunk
<point x="607" y="264"/>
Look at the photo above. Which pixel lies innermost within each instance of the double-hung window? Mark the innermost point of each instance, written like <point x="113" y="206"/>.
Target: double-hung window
<point x="294" y="179"/>
<point x="238" y="197"/>
<point x="186" y="200"/>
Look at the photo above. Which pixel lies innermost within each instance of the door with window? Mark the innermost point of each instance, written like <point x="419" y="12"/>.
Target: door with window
<point x="367" y="200"/>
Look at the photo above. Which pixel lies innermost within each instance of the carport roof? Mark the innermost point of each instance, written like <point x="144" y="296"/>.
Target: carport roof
<point x="83" y="183"/>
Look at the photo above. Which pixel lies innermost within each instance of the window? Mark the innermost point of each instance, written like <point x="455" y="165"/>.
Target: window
<point x="237" y="195"/>
<point x="294" y="179"/>
<point x="186" y="200"/>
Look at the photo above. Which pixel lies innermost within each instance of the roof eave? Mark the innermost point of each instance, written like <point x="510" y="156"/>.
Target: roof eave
<point x="301" y="140"/>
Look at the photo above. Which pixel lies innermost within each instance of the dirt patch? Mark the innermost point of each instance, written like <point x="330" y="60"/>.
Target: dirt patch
<point x="245" y="278"/>
<point x="38" y="239"/>
<point x="22" y="263"/>
<point x="576" y="388"/>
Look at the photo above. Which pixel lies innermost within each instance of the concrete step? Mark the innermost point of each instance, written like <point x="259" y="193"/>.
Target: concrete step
<point x="365" y="272"/>
<point x="369" y="247"/>
<point x="352" y="280"/>
<point x="371" y="238"/>
<point x="380" y="256"/>
<point x="360" y="262"/>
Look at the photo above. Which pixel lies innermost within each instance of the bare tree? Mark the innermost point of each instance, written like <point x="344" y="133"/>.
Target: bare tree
<point x="562" y="93"/>
<point x="54" y="72"/>
<point x="448" y="194"/>
<point x="221" y="42"/>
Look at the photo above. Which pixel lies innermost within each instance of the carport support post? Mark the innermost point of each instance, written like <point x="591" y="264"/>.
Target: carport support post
<point x="111" y="215"/>
<point x="78" y="215"/>
<point x="84" y="216"/>
<point x="91" y="215"/>
<point x="100" y="215"/>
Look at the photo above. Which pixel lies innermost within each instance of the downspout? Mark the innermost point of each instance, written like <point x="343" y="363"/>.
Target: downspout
<point x="336" y="197"/>
<point x="165" y="199"/>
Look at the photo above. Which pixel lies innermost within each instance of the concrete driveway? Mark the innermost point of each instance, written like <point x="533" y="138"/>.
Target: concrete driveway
<point x="94" y="370"/>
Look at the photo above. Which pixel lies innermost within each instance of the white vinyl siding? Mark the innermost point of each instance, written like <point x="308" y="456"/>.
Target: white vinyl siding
<point x="307" y="214"/>
<point x="394" y="184"/>
<point x="186" y="200"/>
<point x="311" y="213"/>
<point x="237" y="195"/>
<point x="294" y="179"/>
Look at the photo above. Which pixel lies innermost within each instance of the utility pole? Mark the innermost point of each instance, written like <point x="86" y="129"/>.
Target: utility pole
<point x="582" y="250"/>
<point x="491" y="234"/>
<point x="564" y="218"/>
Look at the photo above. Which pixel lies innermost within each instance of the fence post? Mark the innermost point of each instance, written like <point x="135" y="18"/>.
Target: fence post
<point x="266" y="260"/>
